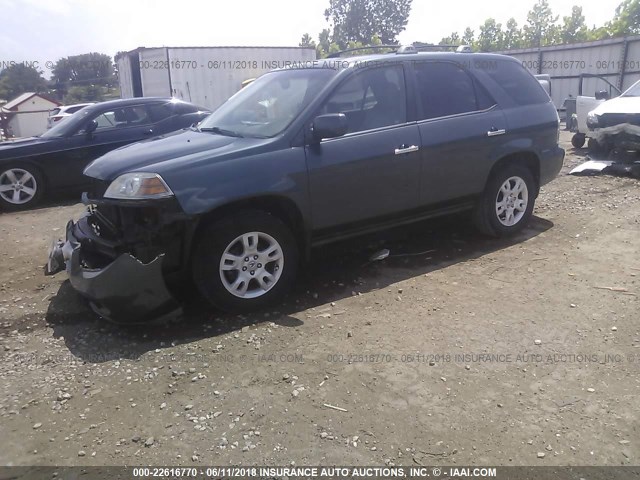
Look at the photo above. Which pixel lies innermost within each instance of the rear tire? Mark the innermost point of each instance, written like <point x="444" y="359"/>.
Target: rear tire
<point x="245" y="262"/>
<point x="21" y="186"/>
<point x="507" y="202"/>
<point x="578" y="140"/>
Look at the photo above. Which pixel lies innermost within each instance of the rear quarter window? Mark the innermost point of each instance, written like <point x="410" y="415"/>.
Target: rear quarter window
<point x="517" y="83"/>
<point x="74" y="109"/>
<point x="184" y="108"/>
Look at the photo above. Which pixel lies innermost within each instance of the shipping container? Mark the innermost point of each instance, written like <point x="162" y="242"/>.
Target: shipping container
<point x="206" y="76"/>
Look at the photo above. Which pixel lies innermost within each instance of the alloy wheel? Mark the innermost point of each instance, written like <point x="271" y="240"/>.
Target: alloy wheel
<point x="512" y="201"/>
<point x="17" y="186"/>
<point x="251" y="265"/>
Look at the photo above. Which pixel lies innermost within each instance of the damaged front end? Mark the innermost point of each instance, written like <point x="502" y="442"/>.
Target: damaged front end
<point x="622" y="136"/>
<point x="119" y="255"/>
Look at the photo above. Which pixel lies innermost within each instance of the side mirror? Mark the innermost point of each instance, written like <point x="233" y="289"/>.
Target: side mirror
<point x="602" y="95"/>
<point x="91" y="127"/>
<point x="331" y="125"/>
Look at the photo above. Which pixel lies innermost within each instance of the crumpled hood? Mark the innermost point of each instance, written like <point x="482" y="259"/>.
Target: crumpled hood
<point x="619" y="105"/>
<point x="164" y="154"/>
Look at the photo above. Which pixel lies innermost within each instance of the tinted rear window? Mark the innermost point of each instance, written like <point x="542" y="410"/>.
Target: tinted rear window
<point x="518" y="83"/>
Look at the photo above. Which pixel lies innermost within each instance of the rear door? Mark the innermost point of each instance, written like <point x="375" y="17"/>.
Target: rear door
<point x="460" y="124"/>
<point x="372" y="171"/>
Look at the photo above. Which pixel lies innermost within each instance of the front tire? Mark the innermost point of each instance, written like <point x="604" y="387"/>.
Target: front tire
<point x="245" y="262"/>
<point x="21" y="186"/>
<point x="507" y="203"/>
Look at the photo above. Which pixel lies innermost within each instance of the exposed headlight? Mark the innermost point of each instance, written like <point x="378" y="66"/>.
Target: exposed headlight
<point x="138" y="186"/>
<point x="592" y="120"/>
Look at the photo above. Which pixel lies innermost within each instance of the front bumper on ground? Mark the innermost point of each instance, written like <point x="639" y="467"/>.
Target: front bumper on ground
<point x="124" y="291"/>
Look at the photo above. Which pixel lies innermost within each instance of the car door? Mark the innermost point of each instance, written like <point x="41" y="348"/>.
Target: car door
<point x="116" y="127"/>
<point x="460" y="124"/>
<point x="372" y="171"/>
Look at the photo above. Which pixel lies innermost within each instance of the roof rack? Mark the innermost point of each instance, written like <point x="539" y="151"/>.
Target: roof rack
<point x="428" y="46"/>
<point x="404" y="49"/>
<point x="371" y="47"/>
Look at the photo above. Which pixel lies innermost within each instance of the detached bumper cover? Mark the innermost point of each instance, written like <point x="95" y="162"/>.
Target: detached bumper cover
<point x="125" y="291"/>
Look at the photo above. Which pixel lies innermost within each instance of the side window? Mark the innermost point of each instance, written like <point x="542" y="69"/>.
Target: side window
<point x="122" y="117"/>
<point x="159" y="111"/>
<point x="446" y="89"/>
<point x="371" y="99"/>
<point x="518" y="83"/>
<point x="74" y="109"/>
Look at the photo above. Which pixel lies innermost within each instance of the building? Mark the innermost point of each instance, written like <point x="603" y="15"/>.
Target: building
<point x="616" y="60"/>
<point x="26" y="115"/>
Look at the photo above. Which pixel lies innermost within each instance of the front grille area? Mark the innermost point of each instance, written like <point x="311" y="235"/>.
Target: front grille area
<point x="612" y="119"/>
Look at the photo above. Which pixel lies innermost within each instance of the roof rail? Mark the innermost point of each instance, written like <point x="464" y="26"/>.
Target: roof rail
<point x="429" y="46"/>
<point x="404" y="49"/>
<point x="371" y="47"/>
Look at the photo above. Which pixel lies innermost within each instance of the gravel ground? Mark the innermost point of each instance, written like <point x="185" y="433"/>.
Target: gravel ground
<point x="511" y="352"/>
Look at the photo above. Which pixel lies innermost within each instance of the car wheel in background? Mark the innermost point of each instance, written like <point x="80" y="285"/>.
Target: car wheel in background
<point x="21" y="186"/>
<point x="245" y="262"/>
<point x="578" y="140"/>
<point x="507" y="203"/>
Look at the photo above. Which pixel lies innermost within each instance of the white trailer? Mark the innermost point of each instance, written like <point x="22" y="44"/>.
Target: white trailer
<point x="206" y="76"/>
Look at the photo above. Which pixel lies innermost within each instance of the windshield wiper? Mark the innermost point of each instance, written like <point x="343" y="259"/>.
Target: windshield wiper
<point x="221" y="131"/>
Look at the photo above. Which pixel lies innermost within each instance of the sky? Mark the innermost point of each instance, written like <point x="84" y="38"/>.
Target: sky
<point x="47" y="30"/>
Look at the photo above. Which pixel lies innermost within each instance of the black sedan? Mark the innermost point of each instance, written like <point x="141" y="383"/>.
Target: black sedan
<point x="55" y="160"/>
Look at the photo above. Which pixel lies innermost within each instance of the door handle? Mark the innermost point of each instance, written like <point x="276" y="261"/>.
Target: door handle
<point x="494" y="132"/>
<point x="404" y="149"/>
<point x="148" y="132"/>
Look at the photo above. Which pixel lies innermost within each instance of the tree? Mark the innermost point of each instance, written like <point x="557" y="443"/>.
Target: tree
<point x="574" y="29"/>
<point x="468" y="38"/>
<point x="307" y="41"/>
<point x="81" y="94"/>
<point x="598" y="33"/>
<point x="324" y="43"/>
<point x="360" y="20"/>
<point x="20" y="78"/>
<point x="626" y="20"/>
<point x="539" y="30"/>
<point x="512" y="37"/>
<point x="453" y="39"/>
<point x="82" y="70"/>
<point x="490" y="37"/>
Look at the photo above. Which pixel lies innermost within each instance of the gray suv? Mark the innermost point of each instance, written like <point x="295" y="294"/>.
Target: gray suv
<point x="303" y="156"/>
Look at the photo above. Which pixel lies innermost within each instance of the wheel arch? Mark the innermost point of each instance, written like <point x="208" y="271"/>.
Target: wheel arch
<point x="280" y="207"/>
<point x="527" y="159"/>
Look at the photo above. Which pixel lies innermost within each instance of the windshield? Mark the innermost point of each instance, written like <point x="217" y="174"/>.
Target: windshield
<point x="267" y="106"/>
<point x="633" y="90"/>
<point x="70" y="125"/>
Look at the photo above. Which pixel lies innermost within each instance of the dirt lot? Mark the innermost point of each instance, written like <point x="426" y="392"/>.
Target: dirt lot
<point x="476" y="352"/>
